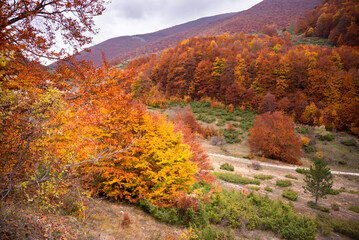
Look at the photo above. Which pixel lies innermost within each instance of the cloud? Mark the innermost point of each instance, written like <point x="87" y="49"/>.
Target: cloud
<point x="133" y="17"/>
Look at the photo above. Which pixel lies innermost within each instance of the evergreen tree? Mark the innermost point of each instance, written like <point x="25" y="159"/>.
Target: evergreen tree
<point x="318" y="179"/>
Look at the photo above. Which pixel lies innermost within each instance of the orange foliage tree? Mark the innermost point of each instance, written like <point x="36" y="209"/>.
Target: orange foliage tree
<point x="30" y="26"/>
<point x="272" y="135"/>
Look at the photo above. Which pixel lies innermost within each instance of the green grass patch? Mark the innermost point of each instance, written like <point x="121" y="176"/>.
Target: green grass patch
<point x="346" y="227"/>
<point x="232" y="136"/>
<point x="309" y="149"/>
<point x="327" y="137"/>
<point x="349" y="142"/>
<point x="268" y="189"/>
<point x="227" y="166"/>
<point x="254" y="188"/>
<point x="302" y="130"/>
<point x="311" y="204"/>
<point x="334" y="191"/>
<point x="263" y="177"/>
<point x="220" y="123"/>
<point x="301" y="170"/>
<point x="290" y="194"/>
<point x="236" y="178"/>
<point x="354" y="208"/>
<point x="291" y="176"/>
<point x="283" y="183"/>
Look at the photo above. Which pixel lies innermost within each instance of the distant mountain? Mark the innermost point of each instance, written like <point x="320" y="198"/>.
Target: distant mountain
<point x="282" y="13"/>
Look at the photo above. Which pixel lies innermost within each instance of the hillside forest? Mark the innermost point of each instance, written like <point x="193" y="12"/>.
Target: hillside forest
<point x="79" y="136"/>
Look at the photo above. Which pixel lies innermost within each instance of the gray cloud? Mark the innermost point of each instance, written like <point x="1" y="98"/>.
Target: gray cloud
<point x="123" y="17"/>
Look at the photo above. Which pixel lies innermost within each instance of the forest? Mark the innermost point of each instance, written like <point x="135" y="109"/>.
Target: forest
<point x="135" y="146"/>
<point x="314" y="85"/>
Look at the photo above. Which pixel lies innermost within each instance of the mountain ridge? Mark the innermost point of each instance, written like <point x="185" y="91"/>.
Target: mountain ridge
<point x="281" y="13"/>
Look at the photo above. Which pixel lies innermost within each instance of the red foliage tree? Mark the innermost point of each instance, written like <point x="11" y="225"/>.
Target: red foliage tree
<point x="273" y="136"/>
<point x="268" y="104"/>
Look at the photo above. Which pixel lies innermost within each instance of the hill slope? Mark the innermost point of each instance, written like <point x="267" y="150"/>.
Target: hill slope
<point x="279" y="12"/>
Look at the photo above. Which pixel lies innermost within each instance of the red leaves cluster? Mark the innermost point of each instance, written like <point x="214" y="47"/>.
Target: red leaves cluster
<point x="272" y="135"/>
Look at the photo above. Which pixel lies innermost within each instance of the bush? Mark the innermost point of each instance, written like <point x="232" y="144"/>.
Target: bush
<point x="263" y="177"/>
<point x="283" y="183"/>
<point x="291" y="176"/>
<point x="354" y="208"/>
<point x="333" y="191"/>
<point x="290" y="194"/>
<point x="309" y="149"/>
<point x="327" y="137"/>
<point x="268" y="189"/>
<point x="227" y="166"/>
<point x="302" y="130"/>
<point x="349" y="142"/>
<point x="301" y="170"/>
<point x="236" y="178"/>
<point x="273" y="136"/>
<point x="320" y="208"/>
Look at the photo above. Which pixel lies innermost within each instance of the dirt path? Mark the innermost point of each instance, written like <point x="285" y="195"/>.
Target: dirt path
<point x="243" y="160"/>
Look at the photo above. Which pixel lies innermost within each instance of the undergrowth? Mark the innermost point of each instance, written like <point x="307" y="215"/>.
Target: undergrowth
<point x="235" y="210"/>
<point x="236" y="178"/>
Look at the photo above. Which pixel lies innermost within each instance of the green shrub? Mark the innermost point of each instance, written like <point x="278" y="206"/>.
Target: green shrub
<point x="302" y="130"/>
<point x="342" y="162"/>
<point x="232" y="136"/>
<point x="236" y="178"/>
<point x="283" y="183"/>
<point x="321" y="208"/>
<point x="221" y="124"/>
<point x="263" y="177"/>
<point x="328" y="137"/>
<point x="349" y="142"/>
<point x="235" y="125"/>
<point x="268" y="189"/>
<point x="301" y="170"/>
<point x="354" y="208"/>
<point x="227" y="166"/>
<point x="334" y="191"/>
<point x="290" y="194"/>
<point x="348" y="228"/>
<point x="309" y="149"/>
<point x="291" y="176"/>
<point x="254" y="188"/>
<point x="259" y="212"/>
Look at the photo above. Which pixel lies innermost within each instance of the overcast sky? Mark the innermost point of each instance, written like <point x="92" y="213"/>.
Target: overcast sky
<point x="131" y="17"/>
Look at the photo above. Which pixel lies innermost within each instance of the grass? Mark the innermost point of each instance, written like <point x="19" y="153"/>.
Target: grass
<point x="291" y="176"/>
<point x="283" y="183"/>
<point x="311" y="204"/>
<point x="290" y="194"/>
<point x="301" y="170"/>
<point x="349" y="142"/>
<point x="348" y="228"/>
<point x="354" y="208"/>
<point x="302" y="130"/>
<point x="236" y="178"/>
<point x="268" y="189"/>
<point x="227" y="166"/>
<point x="263" y="177"/>
<point x="254" y="188"/>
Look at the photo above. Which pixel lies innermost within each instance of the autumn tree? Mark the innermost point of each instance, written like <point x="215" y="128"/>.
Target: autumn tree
<point x="268" y="104"/>
<point x="273" y="136"/>
<point x="318" y="179"/>
<point x="30" y="27"/>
